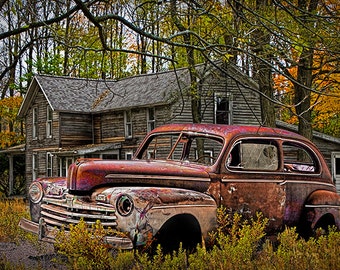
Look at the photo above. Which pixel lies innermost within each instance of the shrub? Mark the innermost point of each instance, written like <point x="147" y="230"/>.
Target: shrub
<point x="10" y="214"/>
<point x="85" y="248"/>
<point x="238" y="244"/>
<point x="297" y="253"/>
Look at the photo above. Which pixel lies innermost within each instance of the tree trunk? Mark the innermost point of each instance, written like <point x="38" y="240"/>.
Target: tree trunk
<point x="304" y="74"/>
<point x="263" y="71"/>
<point x="302" y="93"/>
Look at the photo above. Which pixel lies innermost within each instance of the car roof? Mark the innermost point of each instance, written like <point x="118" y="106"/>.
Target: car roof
<point x="230" y="131"/>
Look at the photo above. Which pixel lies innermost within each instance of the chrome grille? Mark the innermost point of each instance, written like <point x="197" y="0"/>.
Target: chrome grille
<point x="62" y="212"/>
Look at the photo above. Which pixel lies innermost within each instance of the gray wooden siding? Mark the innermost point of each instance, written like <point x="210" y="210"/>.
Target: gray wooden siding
<point x="246" y="108"/>
<point x="41" y="145"/>
<point x="75" y="129"/>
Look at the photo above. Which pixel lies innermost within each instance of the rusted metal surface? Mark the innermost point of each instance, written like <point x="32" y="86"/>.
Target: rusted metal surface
<point x="181" y="179"/>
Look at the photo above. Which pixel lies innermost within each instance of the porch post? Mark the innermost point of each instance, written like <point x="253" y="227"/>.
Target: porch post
<point x="10" y="175"/>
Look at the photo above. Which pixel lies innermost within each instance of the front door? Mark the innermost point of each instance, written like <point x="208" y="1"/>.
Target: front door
<point x="254" y="182"/>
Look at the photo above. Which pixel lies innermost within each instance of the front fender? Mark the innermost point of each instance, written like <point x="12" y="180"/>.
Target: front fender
<point x="153" y="206"/>
<point x="322" y="203"/>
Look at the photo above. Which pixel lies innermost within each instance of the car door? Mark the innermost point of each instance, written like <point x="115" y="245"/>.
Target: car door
<point x="253" y="180"/>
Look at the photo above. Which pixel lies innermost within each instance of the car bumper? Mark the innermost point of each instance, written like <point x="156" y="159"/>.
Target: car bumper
<point x="48" y="234"/>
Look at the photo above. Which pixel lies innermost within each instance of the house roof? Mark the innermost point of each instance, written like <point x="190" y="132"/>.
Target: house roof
<point x="316" y="134"/>
<point x="69" y="94"/>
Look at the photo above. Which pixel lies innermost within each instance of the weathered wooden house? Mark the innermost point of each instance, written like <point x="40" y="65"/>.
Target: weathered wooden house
<point x="68" y="118"/>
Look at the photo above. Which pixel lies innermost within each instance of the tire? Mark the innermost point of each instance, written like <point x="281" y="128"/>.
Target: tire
<point x="182" y="229"/>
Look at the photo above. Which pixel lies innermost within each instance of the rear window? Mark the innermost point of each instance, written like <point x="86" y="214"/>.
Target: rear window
<point x="298" y="158"/>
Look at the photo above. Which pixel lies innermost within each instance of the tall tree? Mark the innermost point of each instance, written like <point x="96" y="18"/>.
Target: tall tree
<point x="97" y="38"/>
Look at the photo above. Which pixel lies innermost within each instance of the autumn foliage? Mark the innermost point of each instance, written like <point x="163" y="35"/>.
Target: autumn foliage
<point x="325" y="97"/>
<point x="10" y="131"/>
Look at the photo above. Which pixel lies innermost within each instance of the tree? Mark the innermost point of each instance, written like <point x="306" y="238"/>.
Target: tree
<point x="112" y="39"/>
<point x="10" y="131"/>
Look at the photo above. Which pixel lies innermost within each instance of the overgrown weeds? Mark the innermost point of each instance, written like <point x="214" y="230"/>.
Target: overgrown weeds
<point x="11" y="212"/>
<point x="236" y="244"/>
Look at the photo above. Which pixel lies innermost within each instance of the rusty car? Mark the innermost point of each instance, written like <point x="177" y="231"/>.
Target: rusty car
<point x="179" y="176"/>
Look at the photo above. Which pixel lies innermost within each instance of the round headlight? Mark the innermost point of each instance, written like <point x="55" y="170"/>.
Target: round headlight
<point x="35" y="192"/>
<point x="124" y="205"/>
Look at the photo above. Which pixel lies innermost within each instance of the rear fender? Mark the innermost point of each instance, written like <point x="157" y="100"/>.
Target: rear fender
<point x="322" y="203"/>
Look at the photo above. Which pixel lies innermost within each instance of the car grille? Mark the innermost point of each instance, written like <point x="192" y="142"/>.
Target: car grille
<point x="63" y="212"/>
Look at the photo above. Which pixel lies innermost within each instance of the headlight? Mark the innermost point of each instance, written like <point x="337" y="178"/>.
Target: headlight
<point x="124" y="205"/>
<point x="35" y="192"/>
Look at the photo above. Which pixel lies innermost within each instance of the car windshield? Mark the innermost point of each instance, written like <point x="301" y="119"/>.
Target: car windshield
<point x="191" y="147"/>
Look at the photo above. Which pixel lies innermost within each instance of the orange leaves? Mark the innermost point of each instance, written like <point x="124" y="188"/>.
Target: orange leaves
<point x="10" y="125"/>
<point x="324" y="93"/>
<point x="8" y="139"/>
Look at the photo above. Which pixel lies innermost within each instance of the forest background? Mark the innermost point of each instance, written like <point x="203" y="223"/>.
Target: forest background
<point x="290" y="48"/>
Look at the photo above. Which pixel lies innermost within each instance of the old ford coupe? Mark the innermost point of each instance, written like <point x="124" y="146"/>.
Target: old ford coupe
<point x="180" y="175"/>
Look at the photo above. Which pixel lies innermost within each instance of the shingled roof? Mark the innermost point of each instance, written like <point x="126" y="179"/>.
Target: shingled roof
<point x="69" y="94"/>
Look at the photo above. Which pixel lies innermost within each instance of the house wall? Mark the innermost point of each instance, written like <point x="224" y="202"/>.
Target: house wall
<point x="245" y="102"/>
<point x="75" y="129"/>
<point x="326" y="148"/>
<point x="111" y="128"/>
<point x="41" y="145"/>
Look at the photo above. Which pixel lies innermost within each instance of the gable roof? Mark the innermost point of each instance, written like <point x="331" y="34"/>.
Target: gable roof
<point x="69" y="94"/>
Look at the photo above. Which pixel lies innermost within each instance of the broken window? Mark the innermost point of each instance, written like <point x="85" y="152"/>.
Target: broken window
<point x="252" y="155"/>
<point x="150" y="119"/>
<point x="183" y="147"/>
<point x="35" y="123"/>
<point x="49" y="164"/>
<point x="223" y="109"/>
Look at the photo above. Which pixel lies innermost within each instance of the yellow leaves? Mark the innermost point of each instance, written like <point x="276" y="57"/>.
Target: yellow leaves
<point x="9" y="108"/>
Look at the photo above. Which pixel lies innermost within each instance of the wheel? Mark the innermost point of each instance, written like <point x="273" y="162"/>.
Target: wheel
<point x="182" y="229"/>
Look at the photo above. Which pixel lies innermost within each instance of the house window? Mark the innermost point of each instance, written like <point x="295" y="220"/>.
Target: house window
<point x="35" y="123"/>
<point x="49" y="164"/>
<point x="223" y="109"/>
<point x="113" y="155"/>
<point x="35" y="166"/>
<point x="150" y="119"/>
<point x="128" y="124"/>
<point x="49" y="119"/>
<point x="128" y="155"/>
<point x="336" y="169"/>
<point x="64" y="163"/>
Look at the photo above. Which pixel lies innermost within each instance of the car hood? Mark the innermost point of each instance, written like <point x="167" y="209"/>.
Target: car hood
<point x="86" y="175"/>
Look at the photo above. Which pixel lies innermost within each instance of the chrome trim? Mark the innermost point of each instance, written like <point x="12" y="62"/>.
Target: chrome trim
<point x="71" y="210"/>
<point x="47" y="234"/>
<point x="322" y="206"/>
<point x="184" y="206"/>
<point x="281" y="182"/>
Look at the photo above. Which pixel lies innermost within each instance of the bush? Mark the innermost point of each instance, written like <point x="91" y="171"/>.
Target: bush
<point x="85" y="248"/>
<point x="297" y="253"/>
<point x="237" y="244"/>
<point x="10" y="214"/>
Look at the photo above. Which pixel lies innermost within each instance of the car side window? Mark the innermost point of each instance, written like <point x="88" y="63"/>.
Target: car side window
<point x="298" y="158"/>
<point x="253" y="155"/>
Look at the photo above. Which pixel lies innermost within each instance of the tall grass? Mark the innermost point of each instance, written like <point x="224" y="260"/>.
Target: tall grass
<point x="237" y="244"/>
<point x="11" y="212"/>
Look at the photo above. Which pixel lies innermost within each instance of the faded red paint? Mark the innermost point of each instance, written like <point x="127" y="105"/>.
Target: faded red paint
<point x="248" y="169"/>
